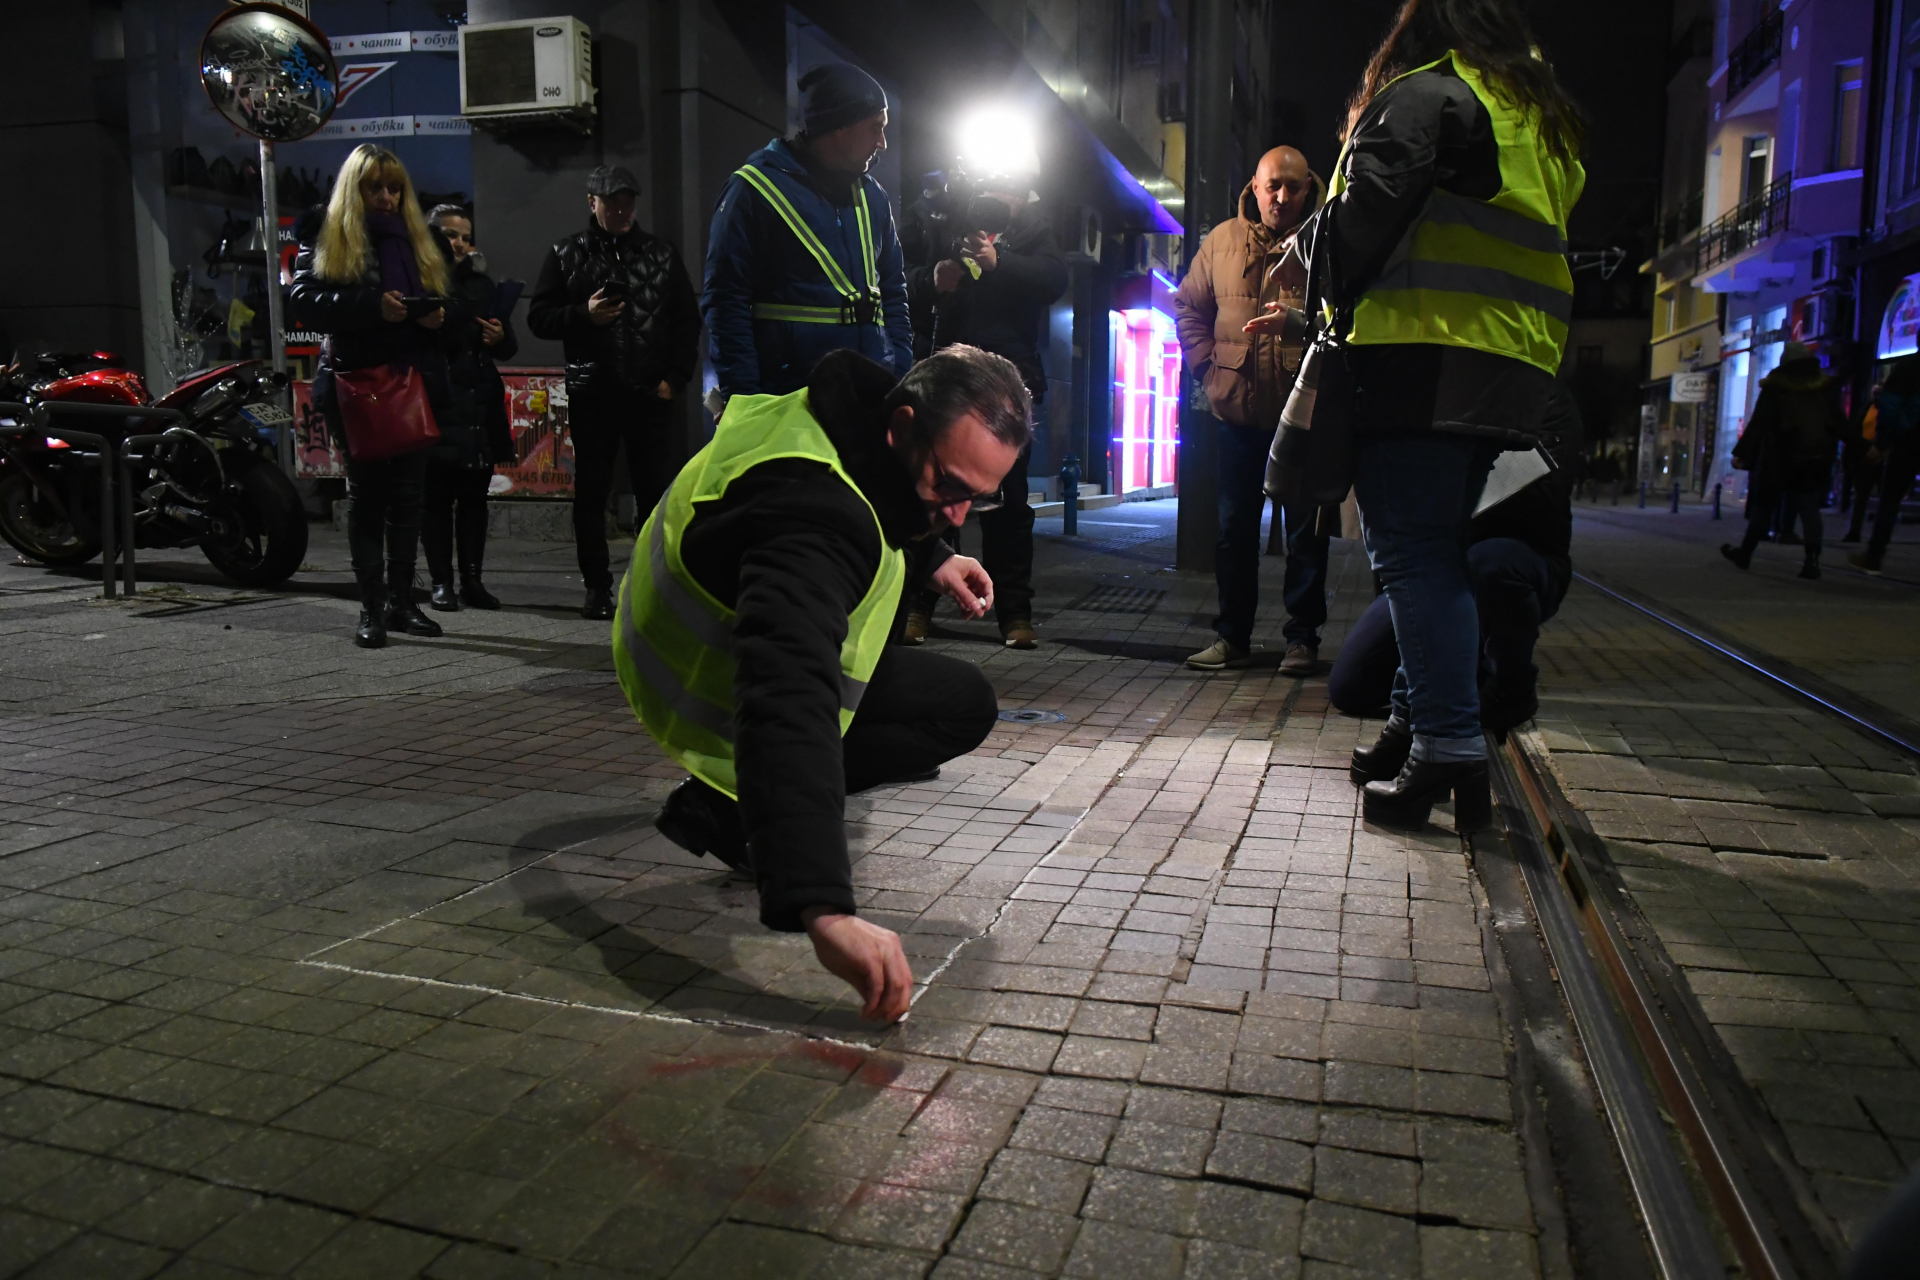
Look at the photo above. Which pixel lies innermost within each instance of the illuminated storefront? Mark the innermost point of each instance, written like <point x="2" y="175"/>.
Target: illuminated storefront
<point x="1146" y="385"/>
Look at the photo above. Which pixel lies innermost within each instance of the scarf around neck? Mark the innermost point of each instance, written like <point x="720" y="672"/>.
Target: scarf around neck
<point x="398" y="268"/>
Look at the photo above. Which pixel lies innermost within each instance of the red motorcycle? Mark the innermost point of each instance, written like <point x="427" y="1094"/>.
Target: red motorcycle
<point x="209" y="482"/>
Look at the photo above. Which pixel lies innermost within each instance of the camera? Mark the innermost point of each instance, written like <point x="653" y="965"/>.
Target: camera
<point x="959" y="207"/>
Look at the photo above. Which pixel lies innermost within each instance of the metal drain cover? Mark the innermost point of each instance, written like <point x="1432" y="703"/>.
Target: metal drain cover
<point x="1027" y="715"/>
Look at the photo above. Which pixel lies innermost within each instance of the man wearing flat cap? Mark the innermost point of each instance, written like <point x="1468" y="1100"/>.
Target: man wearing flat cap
<point x="620" y="302"/>
<point x="803" y="257"/>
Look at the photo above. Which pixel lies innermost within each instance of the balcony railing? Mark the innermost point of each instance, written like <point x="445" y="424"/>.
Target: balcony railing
<point x="1754" y="54"/>
<point x="1742" y="228"/>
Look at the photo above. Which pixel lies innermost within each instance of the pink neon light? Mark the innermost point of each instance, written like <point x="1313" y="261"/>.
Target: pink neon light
<point x="1146" y="398"/>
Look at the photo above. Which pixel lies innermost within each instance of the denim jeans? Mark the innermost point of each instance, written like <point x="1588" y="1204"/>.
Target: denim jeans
<point x="1515" y="590"/>
<point x="1236" y="561"/>
<point x="1416" y="495"/>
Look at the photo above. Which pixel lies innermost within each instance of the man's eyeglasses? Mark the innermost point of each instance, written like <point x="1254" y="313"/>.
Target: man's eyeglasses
<point x="951" y="490"/>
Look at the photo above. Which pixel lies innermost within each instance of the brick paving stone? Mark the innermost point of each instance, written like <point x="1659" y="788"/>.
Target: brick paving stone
<point x="1754" y="833"/>
<point x="384" y="966"/>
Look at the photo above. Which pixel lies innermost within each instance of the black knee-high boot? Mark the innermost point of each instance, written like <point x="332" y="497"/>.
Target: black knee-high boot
<point x="471" y="527"/>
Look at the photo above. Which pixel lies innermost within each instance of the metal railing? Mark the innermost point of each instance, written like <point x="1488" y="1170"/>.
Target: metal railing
<point x="116" y="480"/>
<point x="1740" y="229"/>
<point x="1757" y="51"/>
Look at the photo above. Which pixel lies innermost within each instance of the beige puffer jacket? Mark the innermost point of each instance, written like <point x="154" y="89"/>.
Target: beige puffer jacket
<point x="1237" y="268"/>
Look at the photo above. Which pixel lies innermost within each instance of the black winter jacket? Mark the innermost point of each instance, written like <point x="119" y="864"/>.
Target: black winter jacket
<point x="478" y="392"/>
<point x="1423" y="132"/>
<point x="1005" y="310"/>
<point x="793" y="549"/>
<point x="1790" y="440"/>
<point x="356" y="336"/>
<point x="655" y="339"/>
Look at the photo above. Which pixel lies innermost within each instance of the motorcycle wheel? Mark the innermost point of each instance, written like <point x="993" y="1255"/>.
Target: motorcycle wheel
<point x="272" y="539"/>
<point x="36" y="529"/>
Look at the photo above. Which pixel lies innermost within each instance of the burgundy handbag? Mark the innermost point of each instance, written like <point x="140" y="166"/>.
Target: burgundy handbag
<point x="385" y="412"/>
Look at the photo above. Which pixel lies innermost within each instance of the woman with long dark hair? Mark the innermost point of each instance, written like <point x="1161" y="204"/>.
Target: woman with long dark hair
<point x="477" y="438"/>
<point x="1444" y="247"/>
<point x="371" y="253"/>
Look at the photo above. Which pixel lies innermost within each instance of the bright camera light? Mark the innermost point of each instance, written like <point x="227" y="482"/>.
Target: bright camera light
<point x="998" y="140"/>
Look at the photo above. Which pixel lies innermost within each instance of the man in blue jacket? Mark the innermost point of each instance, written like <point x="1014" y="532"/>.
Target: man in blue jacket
<point x="803" y="258"/>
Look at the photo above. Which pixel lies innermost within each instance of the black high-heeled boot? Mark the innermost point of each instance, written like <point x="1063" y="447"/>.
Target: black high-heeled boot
<point x="1406" y="801"/>
<point x="1383" y="759"/>
<point x="372" y="631"/>
<point x="402" y="613"/>
<point x="444" y="599"/>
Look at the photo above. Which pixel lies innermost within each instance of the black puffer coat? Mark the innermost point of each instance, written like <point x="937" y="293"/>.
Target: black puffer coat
<point x="655" y="339"/>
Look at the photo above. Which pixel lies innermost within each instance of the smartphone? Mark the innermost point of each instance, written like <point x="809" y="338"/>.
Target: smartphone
<point x="615" y="290"/>
<point x="422" y="306"/>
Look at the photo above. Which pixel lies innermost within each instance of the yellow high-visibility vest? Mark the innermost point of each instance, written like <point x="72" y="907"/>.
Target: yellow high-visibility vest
<point x="1487" y="274"/>
<point x="673" y="642"/>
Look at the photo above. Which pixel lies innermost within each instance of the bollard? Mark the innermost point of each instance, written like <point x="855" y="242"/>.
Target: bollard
<point x="1643" y="495"/>
<point x="1070" y="495"/>
<point x="1716" y="502"/>
<point x="1675" y="508"/>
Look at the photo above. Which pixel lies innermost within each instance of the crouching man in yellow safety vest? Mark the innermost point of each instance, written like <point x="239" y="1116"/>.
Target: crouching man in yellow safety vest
<point x="753" y="626"/>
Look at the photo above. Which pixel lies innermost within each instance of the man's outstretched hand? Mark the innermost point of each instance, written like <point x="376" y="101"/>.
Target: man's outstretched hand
<point x="964" y="580"/>
<point x="868" y="957"/>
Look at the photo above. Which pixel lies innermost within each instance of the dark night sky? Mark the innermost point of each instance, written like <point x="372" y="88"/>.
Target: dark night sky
<point x="1611" y="57"/>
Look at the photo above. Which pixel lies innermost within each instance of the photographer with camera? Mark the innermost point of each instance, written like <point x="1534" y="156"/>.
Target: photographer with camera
<point x="621" y="302"/>
<point x="991" y="290"/>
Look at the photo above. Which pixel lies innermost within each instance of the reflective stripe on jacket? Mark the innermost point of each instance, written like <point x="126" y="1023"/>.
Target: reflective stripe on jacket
<point x="772" y="307"/>
<point x="1491" y="274"/>
<point x="858" y="305"/>
<point x="673" y="642"/>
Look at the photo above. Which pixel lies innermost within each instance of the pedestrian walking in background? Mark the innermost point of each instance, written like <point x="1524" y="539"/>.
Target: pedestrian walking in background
<point x="1242" y="269"/>
<point x="620" y="302"/>
<point x="1896" y="448"/>
<point x="475" y="436"/>
<point x="803" y="257"/>
<point x="370" y="253"/>
<point x="1447" y="223"/>
<point x="994" y="295"/>
<point x="1857" y="474"/>
<point x="1788" y="450"/>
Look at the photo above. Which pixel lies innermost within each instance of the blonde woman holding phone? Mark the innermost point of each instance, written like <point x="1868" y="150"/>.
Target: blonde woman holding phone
<point x="373" y="278"/>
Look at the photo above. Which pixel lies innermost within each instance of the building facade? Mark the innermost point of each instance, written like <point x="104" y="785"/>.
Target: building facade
<point x="1767" y="163"/>
<point x="685" y="91"/>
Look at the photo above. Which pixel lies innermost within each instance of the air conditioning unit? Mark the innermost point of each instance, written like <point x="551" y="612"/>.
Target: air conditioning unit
<point x="531" y="70"/>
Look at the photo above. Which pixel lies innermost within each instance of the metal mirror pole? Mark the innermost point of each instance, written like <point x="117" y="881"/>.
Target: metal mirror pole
<point x="276" y="307"/>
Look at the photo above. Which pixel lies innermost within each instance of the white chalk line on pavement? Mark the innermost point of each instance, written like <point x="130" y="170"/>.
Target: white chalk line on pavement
<point x="315" y="961"/>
